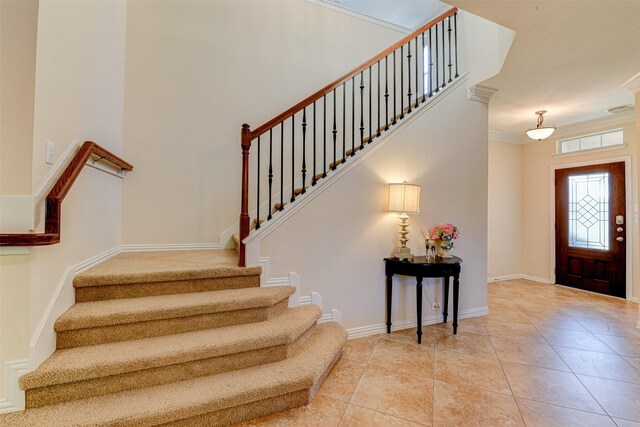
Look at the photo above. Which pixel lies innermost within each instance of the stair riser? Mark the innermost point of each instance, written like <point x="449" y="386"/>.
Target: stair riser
<point x="151" y="377"/>
<point x="48" y="395"/>
<point x="136" y="290"/>
<point x="155" y="328"/>
<point x="245" y="412"/>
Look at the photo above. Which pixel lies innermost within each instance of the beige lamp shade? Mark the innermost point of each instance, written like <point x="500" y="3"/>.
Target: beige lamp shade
<point x="404" y="198"/>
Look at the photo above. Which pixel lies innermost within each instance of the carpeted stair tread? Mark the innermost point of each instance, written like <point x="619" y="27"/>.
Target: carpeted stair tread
<point x="82" y="363"/>
<point x="142" y="267"/>
<point x="129" y="310"/>
<point x="191" y="398"/>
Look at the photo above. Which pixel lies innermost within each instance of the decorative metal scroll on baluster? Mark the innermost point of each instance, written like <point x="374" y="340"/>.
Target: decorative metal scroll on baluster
<point x="413" y="70"/>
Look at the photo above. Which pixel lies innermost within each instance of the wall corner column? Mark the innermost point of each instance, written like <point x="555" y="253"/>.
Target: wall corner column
<point x="633" y="84"/>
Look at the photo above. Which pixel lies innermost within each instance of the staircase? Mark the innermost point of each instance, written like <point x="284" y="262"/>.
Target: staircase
<point x="178" y="338"/>
<point x="302" y="146"/>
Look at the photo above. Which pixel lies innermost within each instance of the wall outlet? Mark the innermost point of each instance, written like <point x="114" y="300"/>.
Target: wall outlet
<point x="50" y="152"/>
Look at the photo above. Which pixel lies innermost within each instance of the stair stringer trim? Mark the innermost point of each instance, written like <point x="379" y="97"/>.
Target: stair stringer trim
<point x="295" y="299"/>
<point x="312" y="192"/>
<point x="14" y="396"/>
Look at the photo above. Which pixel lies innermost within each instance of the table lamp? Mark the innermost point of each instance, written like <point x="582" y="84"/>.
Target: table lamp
<point x="404" y="198"/>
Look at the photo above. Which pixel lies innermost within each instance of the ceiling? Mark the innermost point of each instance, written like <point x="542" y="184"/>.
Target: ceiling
<point x="569" y="57"/>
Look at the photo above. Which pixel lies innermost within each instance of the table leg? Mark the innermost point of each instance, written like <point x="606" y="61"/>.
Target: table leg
<point x="419" y="307"/>
<point x="389" y="282"/>
<point x="456" y="288"/>
<point x="445" y="288"/>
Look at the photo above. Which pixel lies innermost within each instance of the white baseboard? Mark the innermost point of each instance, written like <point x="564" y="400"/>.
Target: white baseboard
<point x="14" y="397"/>
<point x="365" y="331"/>
<point x="538" y="279"/>
<point x="169" y="247"/>
<point x="634" y="299"/>
<point x="519" y="276"/>
<point x="506" y="277"/>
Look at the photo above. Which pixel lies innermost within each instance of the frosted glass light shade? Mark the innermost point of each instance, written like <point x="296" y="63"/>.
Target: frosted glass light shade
<point x="540" y="133"/>
<point x="404" y="198"/>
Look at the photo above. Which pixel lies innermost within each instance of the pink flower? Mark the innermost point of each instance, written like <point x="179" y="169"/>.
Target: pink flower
<point x="444" y="231"/>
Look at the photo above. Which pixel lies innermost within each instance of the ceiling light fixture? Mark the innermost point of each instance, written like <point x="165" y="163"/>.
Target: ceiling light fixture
<point x="540" y="132"/>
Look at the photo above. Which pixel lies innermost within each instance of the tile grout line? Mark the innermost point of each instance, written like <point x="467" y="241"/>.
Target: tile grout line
<point x="505" y="375"/>
<point x="573" y="373"/>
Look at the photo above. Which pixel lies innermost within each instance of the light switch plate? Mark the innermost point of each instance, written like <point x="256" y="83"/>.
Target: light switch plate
<point x="50" y="153"/>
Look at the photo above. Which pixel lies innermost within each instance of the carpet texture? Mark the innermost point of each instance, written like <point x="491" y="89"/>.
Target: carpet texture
<point x="178" y="338"/>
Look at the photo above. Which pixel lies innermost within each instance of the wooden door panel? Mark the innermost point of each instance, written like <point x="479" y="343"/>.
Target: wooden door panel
<point x="598" y="265"/>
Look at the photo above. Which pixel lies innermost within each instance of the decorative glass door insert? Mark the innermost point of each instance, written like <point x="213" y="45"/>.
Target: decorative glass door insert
<point x="589" y="211"/>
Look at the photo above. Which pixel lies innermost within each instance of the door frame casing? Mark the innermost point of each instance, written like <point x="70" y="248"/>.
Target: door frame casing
<point x="629" y="222"/>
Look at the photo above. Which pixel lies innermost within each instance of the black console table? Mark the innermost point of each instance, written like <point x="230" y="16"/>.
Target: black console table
<point x="420" y="268"/>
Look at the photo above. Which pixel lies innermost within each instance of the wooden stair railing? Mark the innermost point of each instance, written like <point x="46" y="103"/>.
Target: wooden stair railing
<point x="53" y="201"/>
<point x="385" y="77"/>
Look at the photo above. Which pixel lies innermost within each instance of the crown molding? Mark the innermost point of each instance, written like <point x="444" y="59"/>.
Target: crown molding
<point x="633" y="84"/>
<point x="496" y="135"/>
<point x="328" y="4"/>
<point x="481" y="93"/>
<point x="595" y="125"/>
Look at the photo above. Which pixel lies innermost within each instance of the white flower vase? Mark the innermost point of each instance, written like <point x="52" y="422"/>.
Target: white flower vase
<point x="444" y="248"/>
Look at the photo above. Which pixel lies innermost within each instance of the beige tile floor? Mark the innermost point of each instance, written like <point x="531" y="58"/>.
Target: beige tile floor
<point x="545" y="356"/>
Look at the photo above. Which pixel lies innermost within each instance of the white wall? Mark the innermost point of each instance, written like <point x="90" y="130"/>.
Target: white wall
<point x="18" y="24"/>
<point x="337" y="242"/>
<point x="505" y="209"/>
<point x="79" y="95"/>
<point x="195" y="72"/>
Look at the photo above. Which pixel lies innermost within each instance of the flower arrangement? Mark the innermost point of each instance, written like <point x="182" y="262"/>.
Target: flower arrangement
<point x="444" y="234"/>
<point x="444" y="231"/>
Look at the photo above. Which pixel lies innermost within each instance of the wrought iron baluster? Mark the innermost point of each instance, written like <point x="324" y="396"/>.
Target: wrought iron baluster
<point x="449" y="34"/>
<point x="379" y="127"/>
<point x="424" y="89"/>
<point x="270" y="172"/>
<point x="437" y="60"/>
<point x="334" y="131"/>
<point x="430" y="65"/>
<point x="401" y="82"/>
<point x="394" y="88"/>
<point x="258" y="189"/>
<point x="293" y="157"/>
<point x="455" y="38"/>
<point x="324" y="136"/>
<point x="281" y="165"/>
<point x="313" y="178"/>
<point x="370" y="102"/>
<point x="386" y="92"/>
<point x="344" y="122"/>
<point x="304" y="150"/>
<point x="353" y="116"/>
<point x="417" y="74"/>
<point x="444" y="59"/>
<point x="409" y="76"/>
<point x="361" y="109"/>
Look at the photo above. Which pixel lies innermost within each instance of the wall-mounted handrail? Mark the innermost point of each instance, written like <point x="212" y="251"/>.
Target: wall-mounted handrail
<point x="314" y="133"/>
<point x="53" y="201"/>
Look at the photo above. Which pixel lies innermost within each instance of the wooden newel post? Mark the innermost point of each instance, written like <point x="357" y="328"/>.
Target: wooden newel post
<point x="244" y="208"/>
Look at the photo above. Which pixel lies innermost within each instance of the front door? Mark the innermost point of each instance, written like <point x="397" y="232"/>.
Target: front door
<point x="591" y="228"/>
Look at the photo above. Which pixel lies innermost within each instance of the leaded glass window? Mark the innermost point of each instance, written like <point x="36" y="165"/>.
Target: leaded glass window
<point x="589" y="211"/>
